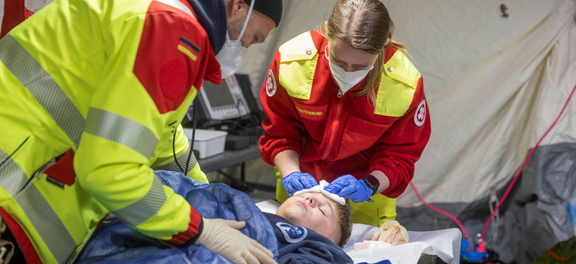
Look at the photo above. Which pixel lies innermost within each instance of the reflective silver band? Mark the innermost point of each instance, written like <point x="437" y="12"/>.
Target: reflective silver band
<point x="12" y="177"/>
<point x="43" y="87"/>
<point x="43" y="218"/>
<point x="173" y="166"/>
<point x="121" y="130"/>
<point x="46" y="222"/>
<point x="144" y="208"/>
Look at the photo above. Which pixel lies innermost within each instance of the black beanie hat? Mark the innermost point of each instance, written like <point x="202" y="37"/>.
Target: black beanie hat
<point x="270" y="8"/>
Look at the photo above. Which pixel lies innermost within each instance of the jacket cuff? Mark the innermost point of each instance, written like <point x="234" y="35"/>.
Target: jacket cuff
<point x="397" y="186"/>
<point x="191" y="234"/>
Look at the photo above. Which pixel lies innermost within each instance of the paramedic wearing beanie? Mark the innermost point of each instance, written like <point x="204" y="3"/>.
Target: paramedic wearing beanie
<point x="91" y="98"/>
<point x="344" y="104"/>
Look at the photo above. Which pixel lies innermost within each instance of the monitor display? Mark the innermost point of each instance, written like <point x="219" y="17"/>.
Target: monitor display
<point x="218" y="95"/>
<point x="225" y="101"/>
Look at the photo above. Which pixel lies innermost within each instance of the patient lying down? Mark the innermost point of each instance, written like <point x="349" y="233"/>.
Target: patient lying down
<point x="308" y="228"/>
<point x="316" y="211"/>
<point x="311" y="228"/>
<point x="319" y="213"/>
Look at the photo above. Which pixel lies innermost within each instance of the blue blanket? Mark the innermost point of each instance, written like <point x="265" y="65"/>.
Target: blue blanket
<point x="114" y="242"/>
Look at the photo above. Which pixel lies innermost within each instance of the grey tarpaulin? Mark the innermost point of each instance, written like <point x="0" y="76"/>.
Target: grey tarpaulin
<point x="538" y="219"/>
<point x="534" y="217"/>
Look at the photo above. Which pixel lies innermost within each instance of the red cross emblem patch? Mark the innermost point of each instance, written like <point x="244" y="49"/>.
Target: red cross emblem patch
<point x="270" y="84"/>
<point x="420" y="115"/>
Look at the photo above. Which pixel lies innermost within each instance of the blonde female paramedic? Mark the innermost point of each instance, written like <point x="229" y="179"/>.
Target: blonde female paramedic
<point x="346" y="105"/>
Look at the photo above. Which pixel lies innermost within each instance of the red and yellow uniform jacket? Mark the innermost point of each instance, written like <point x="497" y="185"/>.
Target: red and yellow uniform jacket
<point x="349" y="134"/>
<point x="106" y="82"/>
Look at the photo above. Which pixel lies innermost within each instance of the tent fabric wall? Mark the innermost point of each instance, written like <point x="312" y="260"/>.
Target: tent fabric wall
<point x="543" y="78"/>
<point x="492" y="100"/>
<point x="35" y="5"/>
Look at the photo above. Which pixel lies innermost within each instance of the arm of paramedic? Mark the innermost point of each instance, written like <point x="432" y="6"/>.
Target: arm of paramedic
<point x="282" y="143"/>
<point x="130" y="112"/>
<point x="401" y="146"/>
<point x="147" y="79"/>
<point x="287" y="161"/>
<point x="180" y="149"/>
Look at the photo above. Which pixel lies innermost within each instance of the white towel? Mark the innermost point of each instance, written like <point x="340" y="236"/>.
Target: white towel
<point x="320" y="188"/>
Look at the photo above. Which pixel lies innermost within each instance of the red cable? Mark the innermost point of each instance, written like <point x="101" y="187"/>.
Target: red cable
<point x="509" y="186"/>
<point x="524" y="165"/>
<point x="561" y="259"/>
<point x="440" y="211"/>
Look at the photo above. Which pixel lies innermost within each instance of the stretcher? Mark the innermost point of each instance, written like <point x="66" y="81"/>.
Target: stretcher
<point x="428" y="245"/>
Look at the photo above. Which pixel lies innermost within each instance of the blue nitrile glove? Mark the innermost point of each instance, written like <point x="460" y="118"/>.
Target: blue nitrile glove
<point x="349" y="187"/>
<point x="297" y="181"/>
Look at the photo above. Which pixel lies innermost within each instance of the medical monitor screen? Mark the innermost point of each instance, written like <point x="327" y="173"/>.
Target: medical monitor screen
<point x="223" y="101"/>
<point x="218" y="95"/>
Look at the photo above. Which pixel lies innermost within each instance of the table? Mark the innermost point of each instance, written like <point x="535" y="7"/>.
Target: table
<point x="232" y="158"/>
<point x="229" y="158"/>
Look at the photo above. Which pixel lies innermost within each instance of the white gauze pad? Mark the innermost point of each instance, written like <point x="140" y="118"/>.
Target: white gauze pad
<point x="320" y="188"/>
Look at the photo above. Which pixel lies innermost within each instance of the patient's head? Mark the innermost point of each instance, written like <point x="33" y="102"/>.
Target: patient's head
<point x="319" y="213"/>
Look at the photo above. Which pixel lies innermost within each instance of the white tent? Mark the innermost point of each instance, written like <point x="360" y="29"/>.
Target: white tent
<point x="496" y="75"/>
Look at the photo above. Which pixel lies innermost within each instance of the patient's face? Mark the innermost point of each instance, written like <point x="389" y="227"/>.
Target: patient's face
<point x="314" y="211"/>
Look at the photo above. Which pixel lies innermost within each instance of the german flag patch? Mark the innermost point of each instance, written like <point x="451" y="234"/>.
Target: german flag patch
<point x="188" y="48"/>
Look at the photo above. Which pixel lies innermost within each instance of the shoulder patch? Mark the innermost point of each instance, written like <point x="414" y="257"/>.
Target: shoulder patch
<point x="398" y="84"/>
<point x="298" y="58"/>
<point x="292" y="234"/>
<point x="301" y="47"/>
<point x="400" y="68"/>
<point x="420" y="115"/>
<point x="270" y="84"/>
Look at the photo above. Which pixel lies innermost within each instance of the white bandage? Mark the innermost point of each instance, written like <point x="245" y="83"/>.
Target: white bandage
<point x="320" y="188"/>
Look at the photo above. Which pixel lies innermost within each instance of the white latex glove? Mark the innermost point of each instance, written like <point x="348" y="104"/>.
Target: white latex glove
<point x="391" y="232"/>
<point x="222" y="237"/>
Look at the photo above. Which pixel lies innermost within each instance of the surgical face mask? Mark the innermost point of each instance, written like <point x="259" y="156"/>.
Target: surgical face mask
<point x="232" y="52"/>
<point x="347" y="80"/>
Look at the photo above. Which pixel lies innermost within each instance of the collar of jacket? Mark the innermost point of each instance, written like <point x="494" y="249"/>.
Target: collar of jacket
<point x="212" y="16"/>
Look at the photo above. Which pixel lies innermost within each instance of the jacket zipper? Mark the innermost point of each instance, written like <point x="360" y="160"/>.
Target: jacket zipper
<point x="334" y="126"/>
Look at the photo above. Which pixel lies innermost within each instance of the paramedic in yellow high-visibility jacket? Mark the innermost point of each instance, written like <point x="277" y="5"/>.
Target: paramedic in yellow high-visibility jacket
<point x="92" y="93"/>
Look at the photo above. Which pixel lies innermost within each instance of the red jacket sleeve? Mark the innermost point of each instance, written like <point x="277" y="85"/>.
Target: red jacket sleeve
<point x="401" y="146"/>
<point x="283" y="128"/>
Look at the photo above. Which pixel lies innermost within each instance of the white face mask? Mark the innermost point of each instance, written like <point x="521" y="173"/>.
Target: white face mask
<point x="230" y="56"/>
<point x="347" y="80"/>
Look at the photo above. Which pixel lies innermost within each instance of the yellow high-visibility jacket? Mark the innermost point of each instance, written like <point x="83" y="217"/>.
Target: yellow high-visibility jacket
<point x="106" y="82"/>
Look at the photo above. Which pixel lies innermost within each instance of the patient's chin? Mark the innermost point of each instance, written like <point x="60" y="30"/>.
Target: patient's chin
<point x="287" y="210"/>
<point x="292" y="214"/>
